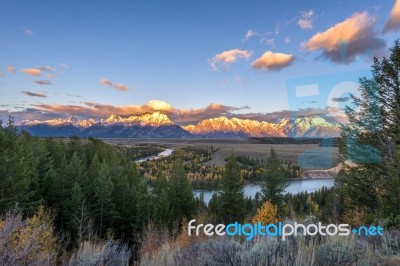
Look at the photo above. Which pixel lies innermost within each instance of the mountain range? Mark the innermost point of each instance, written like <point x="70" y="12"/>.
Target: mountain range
<point x="158" y="125"/>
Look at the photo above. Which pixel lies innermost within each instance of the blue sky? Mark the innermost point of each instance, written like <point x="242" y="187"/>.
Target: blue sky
<point x="132" y="57"/>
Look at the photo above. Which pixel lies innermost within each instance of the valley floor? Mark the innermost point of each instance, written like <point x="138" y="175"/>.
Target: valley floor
<point x="311" y="157"/>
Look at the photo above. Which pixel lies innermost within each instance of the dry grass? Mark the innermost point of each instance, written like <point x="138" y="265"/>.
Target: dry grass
<point x="335" y="250"/>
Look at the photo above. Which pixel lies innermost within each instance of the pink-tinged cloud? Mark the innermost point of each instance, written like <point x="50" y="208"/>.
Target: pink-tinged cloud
<point x="192" y="116"/>
<point x="121" y="87"/>
<point x="305" y="22"/>
<point x="250" y="33"/>
<point x="394" y="19"/>
<point x="346" y="40"/>
<point x="11" y="69"/>
<point x="273" y="61"/>
<point x="34" y="94"/>
<point x="90" y="104"/>
<point x="43" y="82"/>
<point x="32" y="71"/>
<point x="229" y="57"/>
<point x="106" y="82"/>
<point x="97" y="110"/>
<point x="1" y="74"/>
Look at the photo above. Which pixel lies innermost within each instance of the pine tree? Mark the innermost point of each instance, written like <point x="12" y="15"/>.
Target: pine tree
<point x="125" y="199"/>
<point x="372" y="137"/>
<point x="162" y="209"/>
<point x="180" y="192"/>
<point x="75" y="203"/>
<point x="103" y="188"/>
<point x="232" y="194"/>
<point x="274" y="180"/>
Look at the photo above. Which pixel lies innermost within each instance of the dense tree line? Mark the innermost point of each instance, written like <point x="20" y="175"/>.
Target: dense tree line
<point x="93" y="187"/>
<point x="369" y="182"/>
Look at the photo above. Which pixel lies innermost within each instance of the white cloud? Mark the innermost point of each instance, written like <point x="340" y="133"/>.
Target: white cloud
<point x="306" y="21"/>
<point x="250" y="33"/>
<point x="270" y="42"/>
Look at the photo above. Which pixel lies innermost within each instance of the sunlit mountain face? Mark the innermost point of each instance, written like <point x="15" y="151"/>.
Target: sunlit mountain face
<point x="158" y="125"/>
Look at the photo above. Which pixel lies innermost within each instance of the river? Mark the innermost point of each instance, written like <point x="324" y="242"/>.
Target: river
<point x="164" y="153"/>
<point x="295" y="186"/>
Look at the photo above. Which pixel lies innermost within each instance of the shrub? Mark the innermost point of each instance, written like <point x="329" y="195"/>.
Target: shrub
<point x="102" y="253"/>
<point x="266" y="214"/>
<point x="27" y="242"/>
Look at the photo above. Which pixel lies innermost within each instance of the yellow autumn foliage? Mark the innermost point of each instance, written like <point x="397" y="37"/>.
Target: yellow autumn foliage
<point x="31" y="240"/>
<point x="266" y="214"/>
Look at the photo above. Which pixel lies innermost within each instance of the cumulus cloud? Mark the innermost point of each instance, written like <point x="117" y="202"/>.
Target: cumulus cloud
<point x="343" y="42"/>
<point x="34" y="94"/>
<point x="159" y="105"/>
<point x="228" y="57"/>
<point x="179" y="116"/>
<point x="32" y="71"/>
<point x="273" y="61"/>
<point x="119" y="86"/>
<point x="11" y="69"/>
<point x="43" y="82"/>
<point x="394" y="19"/>
<point x="306" y="21"/>
<point x="99" y="111"/>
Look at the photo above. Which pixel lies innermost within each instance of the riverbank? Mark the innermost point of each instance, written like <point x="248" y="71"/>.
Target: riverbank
<point x="321" y="173"/>
<point x="325" y="173"/>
